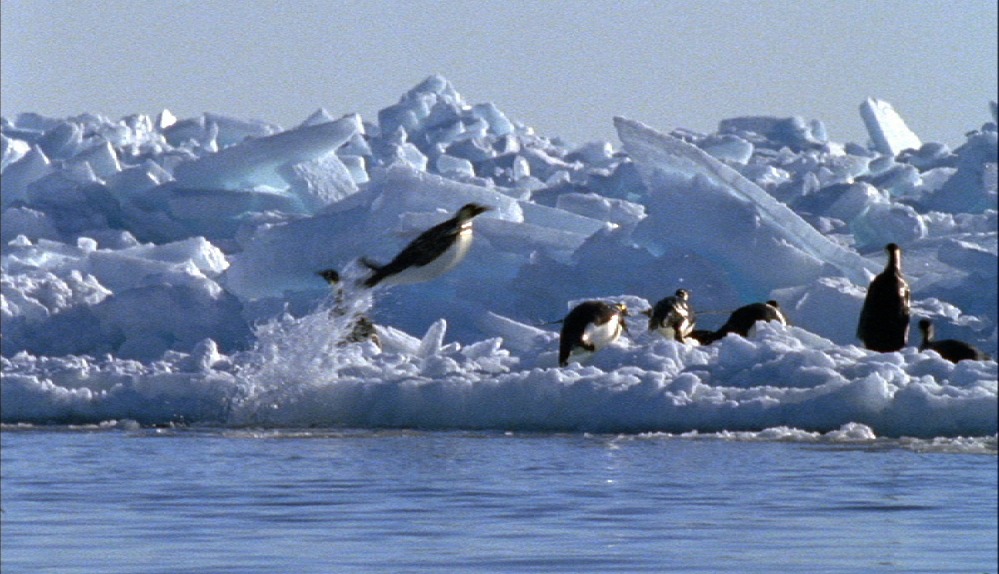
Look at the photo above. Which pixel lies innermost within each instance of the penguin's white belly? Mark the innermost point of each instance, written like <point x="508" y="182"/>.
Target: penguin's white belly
<point x="602" y="335"/>
<point x="667" y="331"/>
<point x="597" y="335"/>
<point x="439" y="266"/>
<point x="684" y="328"/>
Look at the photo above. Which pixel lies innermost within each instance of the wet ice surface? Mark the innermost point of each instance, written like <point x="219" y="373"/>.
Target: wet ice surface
<point x="298" y="375"/>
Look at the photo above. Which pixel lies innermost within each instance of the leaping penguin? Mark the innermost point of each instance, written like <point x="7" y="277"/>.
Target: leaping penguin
<point x="363" y="329"/>
<point x="673" y="316"/>
<point x="589" y="327"/>
<point x="884" y="318"/>
<point x="742" y="321"/>
<point x="432" y="254"/>
<point x="950" y="349"/>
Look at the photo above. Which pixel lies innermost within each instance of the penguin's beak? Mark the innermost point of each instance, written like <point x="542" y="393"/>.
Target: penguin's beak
<point x="623" y="312"/>
<point x="477" y="209"/>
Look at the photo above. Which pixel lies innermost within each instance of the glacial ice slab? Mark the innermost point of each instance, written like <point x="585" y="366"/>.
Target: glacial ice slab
<point x="731" y="221"/>
<point x="887" y="129"/>
<point x="256" y="162"/>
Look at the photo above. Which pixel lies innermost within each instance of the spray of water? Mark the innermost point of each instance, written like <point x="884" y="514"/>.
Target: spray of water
<point x="291" y="354"/>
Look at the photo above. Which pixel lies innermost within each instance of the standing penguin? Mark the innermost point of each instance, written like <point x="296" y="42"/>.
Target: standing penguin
<point x="432" y="254"/>
<point x="950" y="349"/>
<point x="589" y="327"/>
<point x="884" y="319"/>
<point x="673" y="316"/>
<point x="743" y="319"/>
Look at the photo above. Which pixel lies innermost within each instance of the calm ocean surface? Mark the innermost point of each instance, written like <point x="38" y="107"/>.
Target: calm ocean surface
<point x="221" y="501"/>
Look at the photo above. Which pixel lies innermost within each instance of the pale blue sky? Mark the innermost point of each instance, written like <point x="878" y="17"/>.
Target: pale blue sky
<point x="563" y="67"/>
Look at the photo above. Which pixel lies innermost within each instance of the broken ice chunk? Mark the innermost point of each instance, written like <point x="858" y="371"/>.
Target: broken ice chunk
<point x="732" y="221"/>
<point x="255" y="161"/>
<point x="888" y="131"/>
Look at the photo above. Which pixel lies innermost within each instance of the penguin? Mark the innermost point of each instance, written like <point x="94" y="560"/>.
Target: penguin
<point x="884" y="318"/>
<point x="742" y="321"/>
<point x="363" y="328"/>
<point x="950" y="349"/>
<point x="432" y="254"/>
<point x="778" y="313"/>
<point x="673" y="316"/>
<point x="589" y="327"/>
<point x="703" y="336"/>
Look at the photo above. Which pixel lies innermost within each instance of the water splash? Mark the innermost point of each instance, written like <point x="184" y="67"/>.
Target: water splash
<point x="292" y="355"/>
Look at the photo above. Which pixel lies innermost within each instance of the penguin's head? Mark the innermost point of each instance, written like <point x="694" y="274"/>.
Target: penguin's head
<point x="470" y="210"/>
<point x="893" y="249"/>
<point x="622" y="311"/>
<point x="330" y="275"/>
<point x="683" y="294"/>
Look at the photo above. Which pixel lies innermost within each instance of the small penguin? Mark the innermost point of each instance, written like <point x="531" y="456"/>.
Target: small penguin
<point x="950" y="349"/>
<point x="703" y="336"/>
<point x="743" y="319"/>
<point x="884" y="318"/>
<point x="332" y="276"/>
<point x="432" y="254"/>
<point x="673" y="316"/>
<point x="589" y="327"/>
<point x="363" y="328"/>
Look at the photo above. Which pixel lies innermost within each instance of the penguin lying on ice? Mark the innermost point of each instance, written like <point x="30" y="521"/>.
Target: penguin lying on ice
<point x="743" y="320"/>
<point x="950" y="349"/>
<point x="589" y="327"/>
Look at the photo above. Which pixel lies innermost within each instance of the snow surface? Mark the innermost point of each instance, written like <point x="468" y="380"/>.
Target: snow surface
<point x="162" y="271"/>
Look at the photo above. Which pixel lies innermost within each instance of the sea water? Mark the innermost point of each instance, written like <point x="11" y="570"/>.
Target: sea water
<point x="128" y="499"/>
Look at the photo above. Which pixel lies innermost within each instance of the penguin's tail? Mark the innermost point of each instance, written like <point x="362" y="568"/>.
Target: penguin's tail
<point x="376" y="274"/>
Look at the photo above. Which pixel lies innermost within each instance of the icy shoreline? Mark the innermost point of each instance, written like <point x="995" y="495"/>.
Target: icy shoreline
<point x="146" y="264"/>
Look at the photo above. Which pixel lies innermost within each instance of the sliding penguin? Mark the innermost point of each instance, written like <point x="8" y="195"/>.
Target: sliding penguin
<point x="589" y="327"/>
<point x="432" y="254"/>
<point x="742" y="321"/>
<point x="884" y="318"/>
<point x="950" y="349"/>
<point x="673" y="316"/>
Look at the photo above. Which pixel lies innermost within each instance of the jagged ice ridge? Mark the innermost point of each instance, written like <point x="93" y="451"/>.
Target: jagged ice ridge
<point x="164" y="270"/>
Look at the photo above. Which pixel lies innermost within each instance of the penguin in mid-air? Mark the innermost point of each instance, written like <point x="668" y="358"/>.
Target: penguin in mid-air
<point x="432" y="254"/>
<point x="742" y="321"/>
<point x="673" y="316"/>
<point x="950" y="349"/>
<point x="363" y="329"/>
<point x="884" y="318"/>
<point x="589" y="327"/>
